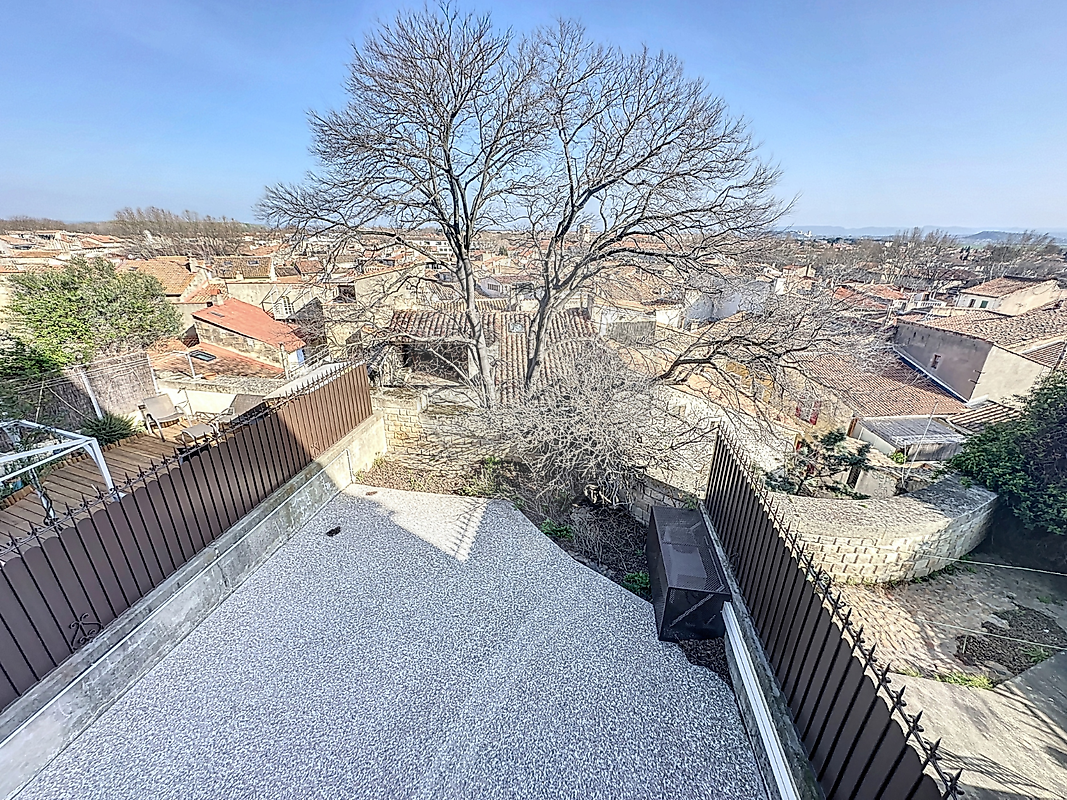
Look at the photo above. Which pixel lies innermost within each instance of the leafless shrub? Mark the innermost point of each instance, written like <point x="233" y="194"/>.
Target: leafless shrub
<point x="593" y="430"/>
<point x="604" y="537"/>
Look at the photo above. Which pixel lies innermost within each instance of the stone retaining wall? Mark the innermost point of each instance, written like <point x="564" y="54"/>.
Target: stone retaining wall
<point x="894" y="538"/>
<point x="425" y="433"/>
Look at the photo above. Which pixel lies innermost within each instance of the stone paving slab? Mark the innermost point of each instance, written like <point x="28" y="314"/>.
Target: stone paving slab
<point x="437" y="647"/>
<point x="915" y="625"/>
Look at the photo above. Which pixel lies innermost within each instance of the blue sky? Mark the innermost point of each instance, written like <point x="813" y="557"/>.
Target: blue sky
<point x="880" y="114"/>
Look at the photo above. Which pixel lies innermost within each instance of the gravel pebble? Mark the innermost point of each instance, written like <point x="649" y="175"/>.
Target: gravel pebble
<point x="436" y="647"/>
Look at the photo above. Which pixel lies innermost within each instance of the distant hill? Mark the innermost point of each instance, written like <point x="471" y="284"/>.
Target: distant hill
<point x="966" y="235"/>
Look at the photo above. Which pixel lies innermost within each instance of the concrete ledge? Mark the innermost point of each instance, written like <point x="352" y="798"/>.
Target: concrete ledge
<point x="39" y="725"/>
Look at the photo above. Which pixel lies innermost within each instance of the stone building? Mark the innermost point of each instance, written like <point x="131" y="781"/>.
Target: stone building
<point x="1010" y="295"/>
<point x="250" y="331"/>
<point x="982" y="354"/>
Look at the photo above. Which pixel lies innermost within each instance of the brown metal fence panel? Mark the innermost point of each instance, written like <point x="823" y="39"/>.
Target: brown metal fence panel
<point x="59" y="586"/>
<point x="861" y="742"/>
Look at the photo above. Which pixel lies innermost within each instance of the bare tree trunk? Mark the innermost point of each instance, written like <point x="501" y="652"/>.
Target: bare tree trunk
<point x="536" y="343"/>
<point x="480" y="341"/>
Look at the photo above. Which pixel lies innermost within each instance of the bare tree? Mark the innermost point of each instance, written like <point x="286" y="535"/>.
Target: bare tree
<point x="1021" y="253"/>
<point x="646" y="163"/>
<point x="915" y="253"/>
<point x="437" y="132"/>
<point x="158" y="232"/>
<point x="750" y="361"/>
<point x="457" y="126"/>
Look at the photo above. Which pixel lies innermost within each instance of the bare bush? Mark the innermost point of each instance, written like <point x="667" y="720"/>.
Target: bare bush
<point x="594" y="431"/>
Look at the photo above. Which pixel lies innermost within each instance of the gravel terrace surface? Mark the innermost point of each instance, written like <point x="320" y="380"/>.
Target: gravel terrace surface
<point x="437" y="647"/>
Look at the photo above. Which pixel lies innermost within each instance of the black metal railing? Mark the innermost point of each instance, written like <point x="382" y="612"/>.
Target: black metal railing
<point x="861" y="741"/>
<point x="62" y="584"/>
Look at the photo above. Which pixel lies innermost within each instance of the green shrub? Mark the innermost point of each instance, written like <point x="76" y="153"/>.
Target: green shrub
<point x="1021" y="459"/>
<point x="112" y="428"/>
<point x="637" y="582"/>
<point x="557" y="530"/>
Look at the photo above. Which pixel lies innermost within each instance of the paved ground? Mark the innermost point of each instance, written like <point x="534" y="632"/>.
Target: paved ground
<point x="916" y="624"/>
<point x="437" y="647"/>
<point x="1010" y="742"/>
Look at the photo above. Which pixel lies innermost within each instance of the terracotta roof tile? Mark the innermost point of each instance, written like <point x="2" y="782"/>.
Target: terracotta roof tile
<point x="896" y="390"/>
<point x="977" y="419"/>
<point x="247" y="266"/>
<point x="509" y="329"/>
<point x="1052" y="355"/>
<point x="225" y="362"/>
<point x="1049" y="322"/>
<point x="252" y="321"/>
<point x="171" y="272"/>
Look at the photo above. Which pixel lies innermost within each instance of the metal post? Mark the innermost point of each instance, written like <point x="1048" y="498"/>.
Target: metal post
<point x="89" y="391"/>
<point x="92" y="446"/>
<point x="192" y="370"/>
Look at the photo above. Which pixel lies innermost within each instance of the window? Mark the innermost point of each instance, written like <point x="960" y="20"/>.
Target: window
<point x="935" y="361"/>
<point x="282" y="308"/>
<point x="971" y="304"/>
<point x="808" y="410"/>
<point x="984" y="304"/>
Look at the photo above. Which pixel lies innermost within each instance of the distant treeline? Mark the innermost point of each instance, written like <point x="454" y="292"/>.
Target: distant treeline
<point x="154" y="231"/>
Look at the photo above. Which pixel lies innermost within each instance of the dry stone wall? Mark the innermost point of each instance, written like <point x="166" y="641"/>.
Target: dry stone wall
<point x="426" y="434"/>
<point x="894" y="538"/>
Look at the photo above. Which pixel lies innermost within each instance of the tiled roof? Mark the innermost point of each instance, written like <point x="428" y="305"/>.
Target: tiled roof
<point x="252" y="321"/>
<point x="35" y="254"/>
<point x="896" y="390"/>
<point x="309" y="266"/>
<point x="857" y="300"/>
<point x="248" y="266"/>
<point x="427" y="325"/>
<point x="1052" y="355"/>
<point x="172" y="272"/>
<point x="628" y="287"/>
<point x="205" y="294"/>
<point x="514" y="280"/>
<point x="567" y="332"/>
<point x="999" y="287"/>
<point x="225" y="362"/>
<point x="482" y="303"/>
<point x="883" y="291"/>
<point x="977" y="419"/>
<point x="1049" y="322"/>
<point x="509" y="329"/>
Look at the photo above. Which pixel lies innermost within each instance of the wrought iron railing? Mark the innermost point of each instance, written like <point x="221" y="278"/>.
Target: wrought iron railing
<point x="62" y="584"/>
<point x="852" y="721"/>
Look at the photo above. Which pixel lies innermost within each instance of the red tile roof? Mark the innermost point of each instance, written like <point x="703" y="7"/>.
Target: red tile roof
<point x="896" y="390"/>
<point x="252" y="321"/>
